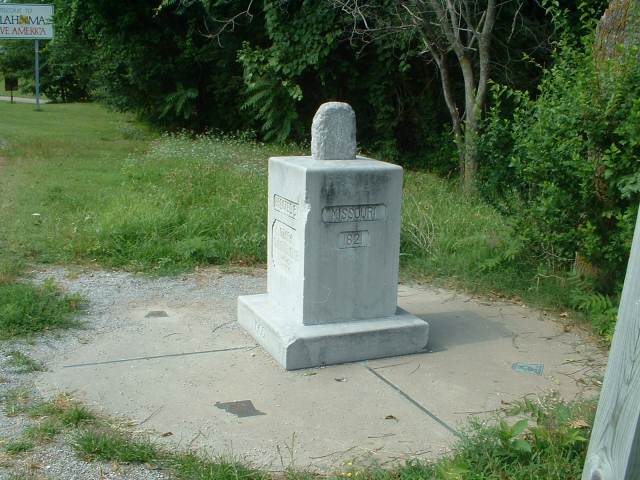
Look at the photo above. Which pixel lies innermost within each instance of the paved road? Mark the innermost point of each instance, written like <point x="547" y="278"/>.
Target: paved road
<point x="22" y="100"/>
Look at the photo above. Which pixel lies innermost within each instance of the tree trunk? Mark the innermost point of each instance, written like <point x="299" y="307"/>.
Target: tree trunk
<point x="470" y="125"/>
<point x="458" y="135"/>
<point x="618" y="27"/>
<point x="470" y="158"/>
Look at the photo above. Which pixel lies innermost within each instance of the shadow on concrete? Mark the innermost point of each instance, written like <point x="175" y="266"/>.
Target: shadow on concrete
<point x="451" y="329"/>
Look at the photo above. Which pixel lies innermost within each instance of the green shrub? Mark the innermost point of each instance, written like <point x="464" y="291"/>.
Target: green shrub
<point x="566" y="164"/>
<point x="550" y="443"/>
<point x="464" y="242"/>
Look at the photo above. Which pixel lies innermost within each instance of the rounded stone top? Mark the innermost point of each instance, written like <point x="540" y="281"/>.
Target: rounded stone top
<point x="333" y="132"/>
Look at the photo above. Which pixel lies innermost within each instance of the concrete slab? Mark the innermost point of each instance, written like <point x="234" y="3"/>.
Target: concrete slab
<point x="185" y="373"/>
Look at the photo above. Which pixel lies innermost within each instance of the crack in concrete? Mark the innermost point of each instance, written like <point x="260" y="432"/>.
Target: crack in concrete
<point x="168" y="355"/>
<point x="411" y="400"/>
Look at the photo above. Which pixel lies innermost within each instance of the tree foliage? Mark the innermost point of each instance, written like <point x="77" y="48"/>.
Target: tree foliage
<point x="160" y="64"/>
<point x="302" y="37"/>
<point x="68" y="65"/>
<point x="266" y="65"/>
<point x="566" y="163"/>
<point x="460" y="30"/>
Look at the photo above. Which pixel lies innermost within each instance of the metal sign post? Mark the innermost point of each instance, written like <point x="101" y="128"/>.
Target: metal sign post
<point x="37" y="68"/>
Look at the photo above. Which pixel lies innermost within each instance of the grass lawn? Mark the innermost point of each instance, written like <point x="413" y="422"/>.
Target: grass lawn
<point x="85" y="185"/>
<point x="81" y="184"/>
<point x="57" y="165"/>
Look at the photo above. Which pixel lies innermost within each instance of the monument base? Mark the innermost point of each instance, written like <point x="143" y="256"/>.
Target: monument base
<point x="297" y="346"/>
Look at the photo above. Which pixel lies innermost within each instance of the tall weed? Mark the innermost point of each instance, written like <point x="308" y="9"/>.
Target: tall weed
<point x="187" y="201"/>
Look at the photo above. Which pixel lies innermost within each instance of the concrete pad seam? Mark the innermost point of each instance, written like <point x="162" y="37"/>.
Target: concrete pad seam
<point x="411" y="400"/>
<point x="168" y="355"/>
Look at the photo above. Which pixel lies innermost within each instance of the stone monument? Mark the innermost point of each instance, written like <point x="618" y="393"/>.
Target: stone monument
<point x="333" y="252"/>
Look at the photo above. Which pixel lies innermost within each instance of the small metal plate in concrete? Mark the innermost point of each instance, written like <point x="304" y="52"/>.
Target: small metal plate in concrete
<point x="156" y="314"/>
<point x="529" y="368"/>
<point x="241" y="408"/>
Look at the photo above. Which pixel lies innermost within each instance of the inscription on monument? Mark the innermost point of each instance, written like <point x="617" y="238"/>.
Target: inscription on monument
<point x="354" y="213"/>
<point x="285" y="252"/>
<point x="355" y="239"/>
<point x="286" y="206"/>
<point x="259" y="329"/>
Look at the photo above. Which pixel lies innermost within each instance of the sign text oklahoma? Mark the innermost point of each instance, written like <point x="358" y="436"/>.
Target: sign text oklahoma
<point x="26" y="21"/>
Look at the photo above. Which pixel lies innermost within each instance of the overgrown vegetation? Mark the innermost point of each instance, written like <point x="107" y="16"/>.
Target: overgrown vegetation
<point x="108" y="194"/>
<point x="185" y="202"/>
<point x="557" y="153"/>
<point x="18" y="446"/>
<point x="25" y="308"/>
<point x="550" y="442"/>
<point x="107" y="445"/>
<point x="48" y="418"/>
<point x="564" y="167"/>
<point x="551" y="222"/>
<point x="269" y="69"/>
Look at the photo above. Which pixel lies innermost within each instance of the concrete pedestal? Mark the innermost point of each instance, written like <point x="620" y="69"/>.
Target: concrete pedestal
<point x="296" y="346"/>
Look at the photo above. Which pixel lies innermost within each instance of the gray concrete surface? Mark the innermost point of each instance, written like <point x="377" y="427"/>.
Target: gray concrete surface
<point x="296" y="346"/>
<point x="310" y="275"/>
<point x="197" y="374"/>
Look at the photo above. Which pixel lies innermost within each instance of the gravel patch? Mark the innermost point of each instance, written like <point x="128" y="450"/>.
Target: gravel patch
<point x="107" y="293"/>
<point x="57" y="461"/>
